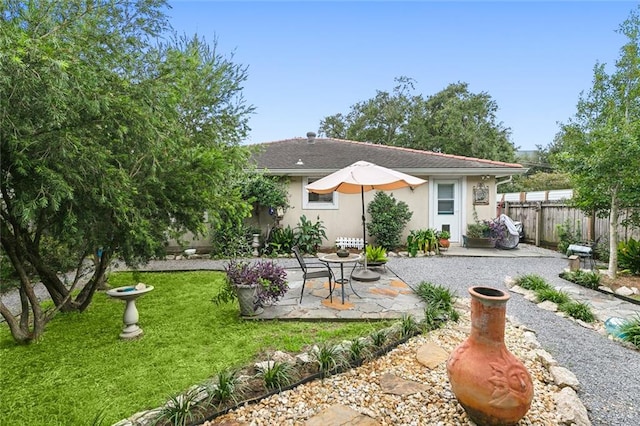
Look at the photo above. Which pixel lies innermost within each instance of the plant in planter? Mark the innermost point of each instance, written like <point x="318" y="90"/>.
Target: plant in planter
<point x="254" y="285"/>
<point x="443" y="239"/>
<point x="376" y="255"/>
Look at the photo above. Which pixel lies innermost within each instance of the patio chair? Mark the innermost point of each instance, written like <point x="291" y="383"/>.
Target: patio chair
<point x="311" y="270"/>
<point x="585" y="252"/>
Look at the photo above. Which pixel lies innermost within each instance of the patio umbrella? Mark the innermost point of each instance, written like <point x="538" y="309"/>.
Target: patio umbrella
<point x="360" y="177"/>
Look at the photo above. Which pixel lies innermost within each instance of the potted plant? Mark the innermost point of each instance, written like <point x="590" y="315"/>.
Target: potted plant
<point x="443" y="239"/>
<point x="376" y="255"/>
<point x="254" y="285"/>
<point x="478" y="235"/>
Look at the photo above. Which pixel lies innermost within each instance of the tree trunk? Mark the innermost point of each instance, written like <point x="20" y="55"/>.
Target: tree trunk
<point x="613" y="235"/>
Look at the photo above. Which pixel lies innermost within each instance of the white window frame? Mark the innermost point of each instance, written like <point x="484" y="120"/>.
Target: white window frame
<point x="310" y="205"/>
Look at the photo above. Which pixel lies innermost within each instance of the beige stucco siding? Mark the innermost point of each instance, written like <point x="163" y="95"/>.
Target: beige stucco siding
<point x="487" y="211"/>
<point x="346" y="221"/>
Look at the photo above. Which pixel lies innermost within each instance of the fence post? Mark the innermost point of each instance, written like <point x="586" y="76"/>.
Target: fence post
<point x="538" y="223"/>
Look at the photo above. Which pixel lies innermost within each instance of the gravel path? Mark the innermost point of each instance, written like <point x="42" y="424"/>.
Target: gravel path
<point x="608" y="372"/>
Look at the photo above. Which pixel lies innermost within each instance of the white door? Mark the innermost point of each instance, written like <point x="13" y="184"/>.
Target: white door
<point x="446" y="202"/>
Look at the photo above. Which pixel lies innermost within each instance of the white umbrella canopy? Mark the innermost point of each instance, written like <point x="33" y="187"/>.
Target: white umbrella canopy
<point x="361" y="177"/>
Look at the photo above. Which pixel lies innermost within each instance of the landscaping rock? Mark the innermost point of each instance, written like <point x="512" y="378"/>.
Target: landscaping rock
<point x="338" y="415"/>
<point x="548" y="305"/>
<point x="570" y="409"/>
<point x="624" y="291"/>
<point x="394" y="385"/>
<point x="563" y="377"/>
<point x="545" y="358"/>
<point x="431" y="355"/>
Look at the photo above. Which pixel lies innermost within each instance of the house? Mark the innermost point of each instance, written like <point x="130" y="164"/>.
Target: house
<point x="457" y="186"/>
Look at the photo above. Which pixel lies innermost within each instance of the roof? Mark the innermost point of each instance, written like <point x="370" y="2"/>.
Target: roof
<point x="306" y="156"/>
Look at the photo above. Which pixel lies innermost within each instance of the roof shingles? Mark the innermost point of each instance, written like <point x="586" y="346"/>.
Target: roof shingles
<point x="333" y="154"/>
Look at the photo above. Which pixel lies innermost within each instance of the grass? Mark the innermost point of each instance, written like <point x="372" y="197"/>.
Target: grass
<point x="79" y="367"/>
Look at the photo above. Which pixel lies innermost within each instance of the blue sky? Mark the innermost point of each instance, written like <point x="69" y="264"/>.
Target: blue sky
<point x="308" y="60"/>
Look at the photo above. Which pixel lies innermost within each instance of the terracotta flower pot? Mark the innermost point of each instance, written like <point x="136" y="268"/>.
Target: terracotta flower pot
<point x="490" y="383"/>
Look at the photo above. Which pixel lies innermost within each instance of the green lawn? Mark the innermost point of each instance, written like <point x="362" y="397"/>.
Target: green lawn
<point x="80" y="367"/>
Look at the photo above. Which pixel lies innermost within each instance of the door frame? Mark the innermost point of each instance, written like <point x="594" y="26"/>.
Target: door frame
<point x="460" y="185"/>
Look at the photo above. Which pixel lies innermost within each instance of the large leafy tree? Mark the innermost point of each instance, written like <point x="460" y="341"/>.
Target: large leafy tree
<point x="600" y="146"/>
<point x="113" y="138"/>
<point x="452" y="121"/>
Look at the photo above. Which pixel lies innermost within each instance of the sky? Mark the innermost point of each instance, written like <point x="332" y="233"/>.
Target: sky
<point x="309" y="60"/>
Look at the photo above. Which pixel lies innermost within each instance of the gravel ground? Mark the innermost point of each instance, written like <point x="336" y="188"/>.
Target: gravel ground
<point x="363" y="389"/>
<point x="608" y="372"/>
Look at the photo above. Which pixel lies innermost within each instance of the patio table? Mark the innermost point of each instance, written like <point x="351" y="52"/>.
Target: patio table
<point x="334" y="258"/>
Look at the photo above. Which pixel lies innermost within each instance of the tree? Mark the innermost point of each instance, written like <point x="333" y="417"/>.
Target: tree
<point x="453" y="121"/>
<point x="112" y="140"/>
<point x="601" y="144"/>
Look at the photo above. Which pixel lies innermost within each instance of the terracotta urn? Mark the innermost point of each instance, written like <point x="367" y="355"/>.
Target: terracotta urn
<point x="491" y="384"/>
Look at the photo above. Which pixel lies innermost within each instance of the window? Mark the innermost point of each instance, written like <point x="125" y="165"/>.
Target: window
<point x="318" y="201"/>
<point x="446" y="203"/>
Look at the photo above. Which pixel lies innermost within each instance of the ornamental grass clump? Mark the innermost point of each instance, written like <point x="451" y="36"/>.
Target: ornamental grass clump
<point x="227" y="387"/>
<point x="409" y="326"/>
<point x="276" y="375"/>
<point x="578" y="310"/>
<point x="439" y="302"/>
<point x="552" y="295"/>
<point x="532" y="282"/>
<point x="328" y="358"/>
<point x="586" y="279"/>
<point x="358" y="351"/>
<point x="630" y="331"/>
<point x="182" y="409"/>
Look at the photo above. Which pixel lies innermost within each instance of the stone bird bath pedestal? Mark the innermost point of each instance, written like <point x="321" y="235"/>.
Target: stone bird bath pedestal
<point x="129" y="294"/>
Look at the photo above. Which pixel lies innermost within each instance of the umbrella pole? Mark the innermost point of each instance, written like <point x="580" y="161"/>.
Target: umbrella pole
<point x="364" y="274"/>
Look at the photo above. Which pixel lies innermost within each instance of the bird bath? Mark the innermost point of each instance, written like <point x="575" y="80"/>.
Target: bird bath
<point x="129" y="294"/>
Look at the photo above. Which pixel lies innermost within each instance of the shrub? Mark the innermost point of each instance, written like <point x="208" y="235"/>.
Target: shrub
<point x="568" y="234"/>
<point x="281" y="241"/>
<point x="265" y="191"/>
<point x="578" y="310"/>
<point x="629" y="256"/>
<point x="309" y="235"/>
<point x="553" y="295"/>
<point x="230" y="239"/>
<point x="388" y="219"/>
<point x="630" y="331"/>
<point x="532" y="282"/>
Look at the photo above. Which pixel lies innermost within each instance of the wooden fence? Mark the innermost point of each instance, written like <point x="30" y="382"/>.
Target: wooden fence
<point x="540" y="220"/>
